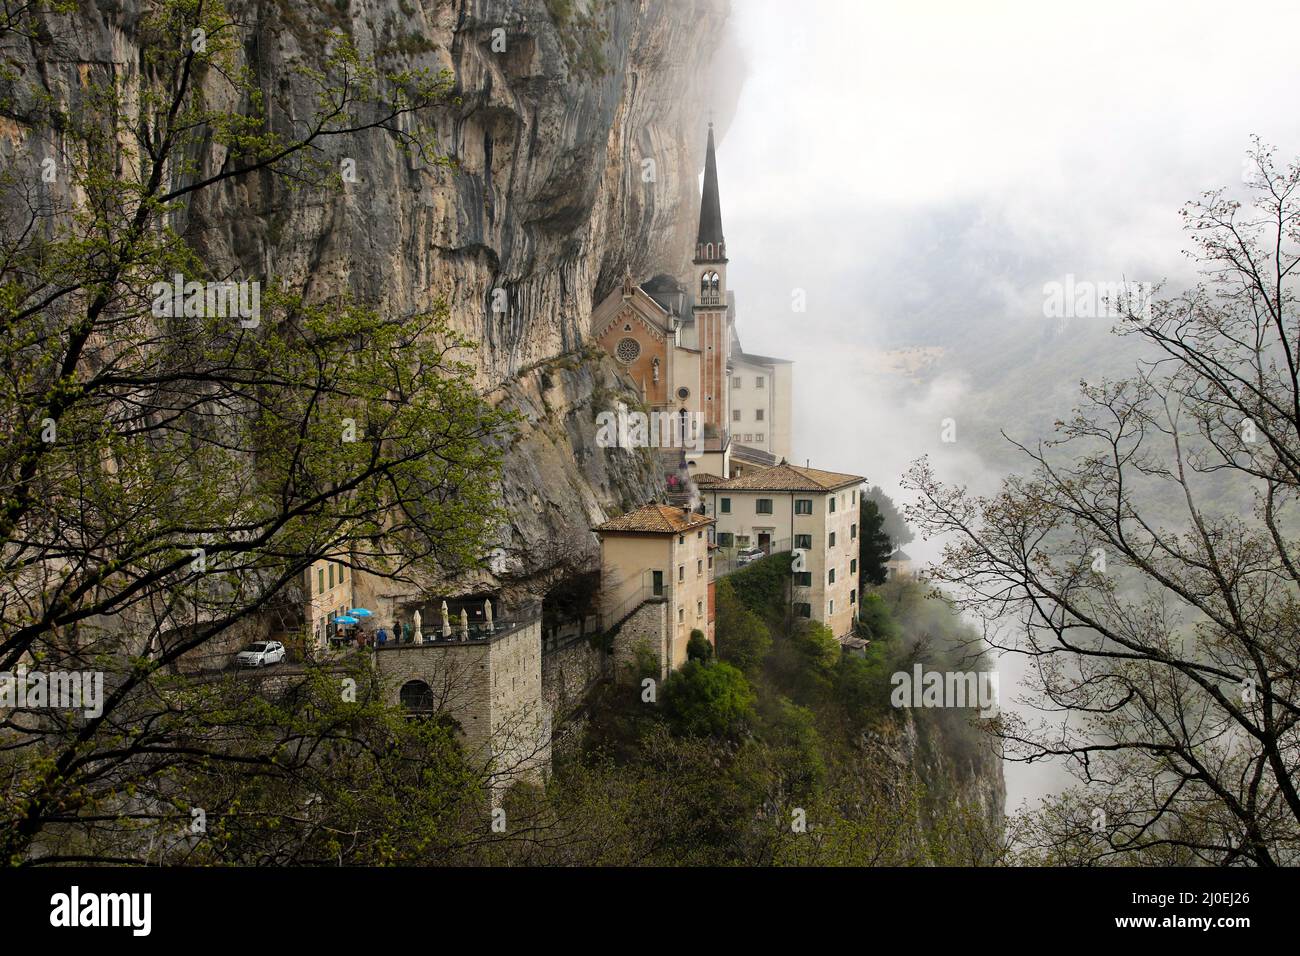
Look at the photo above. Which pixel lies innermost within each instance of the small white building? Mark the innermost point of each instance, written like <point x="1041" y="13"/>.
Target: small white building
<point x="899" y="565"/>
<point x="760" y="398"/>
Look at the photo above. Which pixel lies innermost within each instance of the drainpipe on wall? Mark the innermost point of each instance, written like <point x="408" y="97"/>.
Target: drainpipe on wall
<point x="789" y="611"/>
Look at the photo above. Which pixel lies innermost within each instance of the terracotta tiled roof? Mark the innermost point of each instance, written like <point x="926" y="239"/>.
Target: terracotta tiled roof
<point x="656" y="519"/>
<point x="788" y="478"/>
<point x="706" y="478"/>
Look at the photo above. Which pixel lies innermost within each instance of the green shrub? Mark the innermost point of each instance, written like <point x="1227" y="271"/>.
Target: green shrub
<point x="709" y="700"/>
<point x="875" y="619"/>
<point x="644" y="663"/>
<point x="790" y="734"/>
<point x="698" y="647"/>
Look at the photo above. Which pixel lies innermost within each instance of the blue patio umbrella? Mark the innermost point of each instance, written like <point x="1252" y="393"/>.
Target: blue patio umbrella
<point x="345" y="619"/>
<point x="359" y="612"/>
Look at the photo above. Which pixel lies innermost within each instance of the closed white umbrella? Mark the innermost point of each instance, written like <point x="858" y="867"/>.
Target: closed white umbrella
<point x="487" y="613"/>
<point x="446" y="621"/>
<point x="419" y="634"/>
<point x="464" y="625"/>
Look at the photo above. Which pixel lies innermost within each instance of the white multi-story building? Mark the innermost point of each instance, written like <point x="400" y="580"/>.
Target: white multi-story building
<point x="760" y="400"/>
<point x="805" y="510"/>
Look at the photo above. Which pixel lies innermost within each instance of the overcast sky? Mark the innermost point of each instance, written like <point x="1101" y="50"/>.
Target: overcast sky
<point x="880" y="153"/>
<point x="1076" y="131"/>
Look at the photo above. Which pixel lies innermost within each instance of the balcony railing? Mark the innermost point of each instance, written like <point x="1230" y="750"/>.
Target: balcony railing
<point x="726" y="560"/>
<point x="478" y="631"/>
<point x="615" y="614"/>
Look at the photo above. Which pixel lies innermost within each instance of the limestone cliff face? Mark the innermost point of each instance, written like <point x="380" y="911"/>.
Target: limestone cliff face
<point x="956" y="769"/>
<point x="574" y="137"/>
<point x="557" y="481"/>
<point x="575" y="156"/>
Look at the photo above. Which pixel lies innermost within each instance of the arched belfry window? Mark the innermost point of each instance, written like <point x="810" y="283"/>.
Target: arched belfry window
<point x="709" y="288"/>
<point x="708" y="250"/>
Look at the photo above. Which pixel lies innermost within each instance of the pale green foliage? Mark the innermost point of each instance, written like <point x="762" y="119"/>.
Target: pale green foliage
<point x="323" y="428"/>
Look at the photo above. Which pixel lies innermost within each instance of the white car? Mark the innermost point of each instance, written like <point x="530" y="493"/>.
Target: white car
<point x="749" y="555"/>
<point x="260" y="654"/>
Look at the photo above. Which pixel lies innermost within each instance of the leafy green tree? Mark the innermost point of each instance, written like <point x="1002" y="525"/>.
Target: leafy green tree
<point x="874" y="546"/>
<point x="708" y="699"/>
<point x="742" y="637"/>
<point x="678" y="801"/>
<point x="790" y="733"/>
<point x="804" y="663"/>
<point x="304" y="777"/>
<point x="862" y="687"/>
<point x="875" y="618"/>
<point x="894" y="524"/>
<point x="170" y="474"/>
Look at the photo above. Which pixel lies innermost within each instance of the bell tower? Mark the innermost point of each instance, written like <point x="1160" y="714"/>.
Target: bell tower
<point x="710" y="291"/>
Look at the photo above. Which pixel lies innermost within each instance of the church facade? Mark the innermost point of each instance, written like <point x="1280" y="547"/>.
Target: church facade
<point x="678" y="342"/>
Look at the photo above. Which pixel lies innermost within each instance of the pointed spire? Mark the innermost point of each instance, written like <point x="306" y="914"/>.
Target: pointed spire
<point x="710" y="210"/>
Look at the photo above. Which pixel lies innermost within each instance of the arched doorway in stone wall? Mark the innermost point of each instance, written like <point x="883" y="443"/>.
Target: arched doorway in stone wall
<point x="416" y="698"/>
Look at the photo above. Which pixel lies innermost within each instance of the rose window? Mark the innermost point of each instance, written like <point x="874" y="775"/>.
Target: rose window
<point x="627" y="351"/>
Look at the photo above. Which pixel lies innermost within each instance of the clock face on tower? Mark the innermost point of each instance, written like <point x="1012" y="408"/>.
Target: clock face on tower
<point x="627" y="350"/>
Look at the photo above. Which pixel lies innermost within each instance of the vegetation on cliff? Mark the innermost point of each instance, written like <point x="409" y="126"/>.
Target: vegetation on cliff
<point x="784" y="750"/>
